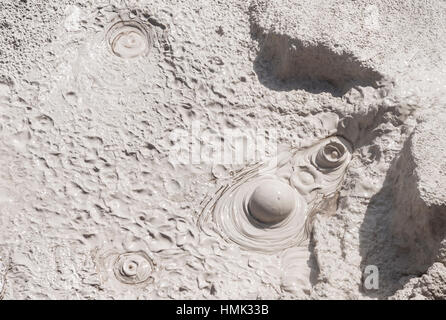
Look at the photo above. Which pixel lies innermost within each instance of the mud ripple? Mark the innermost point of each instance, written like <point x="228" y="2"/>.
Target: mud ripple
<point x="128" y="39"/>
<point x="266" y="207"/>
<point x="123" y="55"/>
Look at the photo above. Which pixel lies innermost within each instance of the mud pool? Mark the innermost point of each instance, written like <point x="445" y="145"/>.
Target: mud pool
<point x="222" y="149"/>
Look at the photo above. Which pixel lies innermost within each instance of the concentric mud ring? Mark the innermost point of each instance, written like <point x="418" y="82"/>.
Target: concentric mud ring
<point x="132" y="267"/>
<point x="234" y="217"/>
<point x="128" y="39"/>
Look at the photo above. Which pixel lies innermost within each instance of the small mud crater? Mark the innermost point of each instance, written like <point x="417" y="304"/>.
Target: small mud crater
<point x="3" y="270"/>
<point x="267" y="207"/>
<point x="131" y="268"/>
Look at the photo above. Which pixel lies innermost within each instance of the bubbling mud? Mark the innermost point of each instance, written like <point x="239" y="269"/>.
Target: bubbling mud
<point x="272" y="202"/>
<point x="331" y="155"/>
<point x="267" y="206"/>
<point x="132" y="268"/>
<point x="2" y="278"/>
<point x="318" y="171"/>
<point x="292" y="260"/>
<point x="128" y="39"/>
<point x="260" y="224"/>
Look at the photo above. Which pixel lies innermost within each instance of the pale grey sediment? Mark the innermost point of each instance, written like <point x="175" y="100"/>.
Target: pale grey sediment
<point x="99" y="198"/>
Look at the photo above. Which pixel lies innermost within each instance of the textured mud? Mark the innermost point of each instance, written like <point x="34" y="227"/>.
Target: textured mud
<point x="95" y="203"/>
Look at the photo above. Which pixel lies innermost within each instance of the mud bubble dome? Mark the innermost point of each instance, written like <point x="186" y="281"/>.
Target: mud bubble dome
<point x="266" y="207"/>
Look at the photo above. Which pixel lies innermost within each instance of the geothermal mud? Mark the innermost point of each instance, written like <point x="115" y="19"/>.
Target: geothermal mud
<point x="201" y="150"/>
<point x="268" y="206"/>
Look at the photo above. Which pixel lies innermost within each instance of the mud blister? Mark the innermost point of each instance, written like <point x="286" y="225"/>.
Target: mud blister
<point x="266" y="207"/>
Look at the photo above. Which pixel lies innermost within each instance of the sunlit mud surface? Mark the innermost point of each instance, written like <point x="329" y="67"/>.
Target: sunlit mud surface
<point x="190" y="150"/>
<point x="133" y="268"/>
<point x="128" y="39"/>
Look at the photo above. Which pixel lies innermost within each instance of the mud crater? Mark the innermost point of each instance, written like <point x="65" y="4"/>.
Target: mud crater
<point x="129" y="39"/>
<point x="267" y="206"/>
